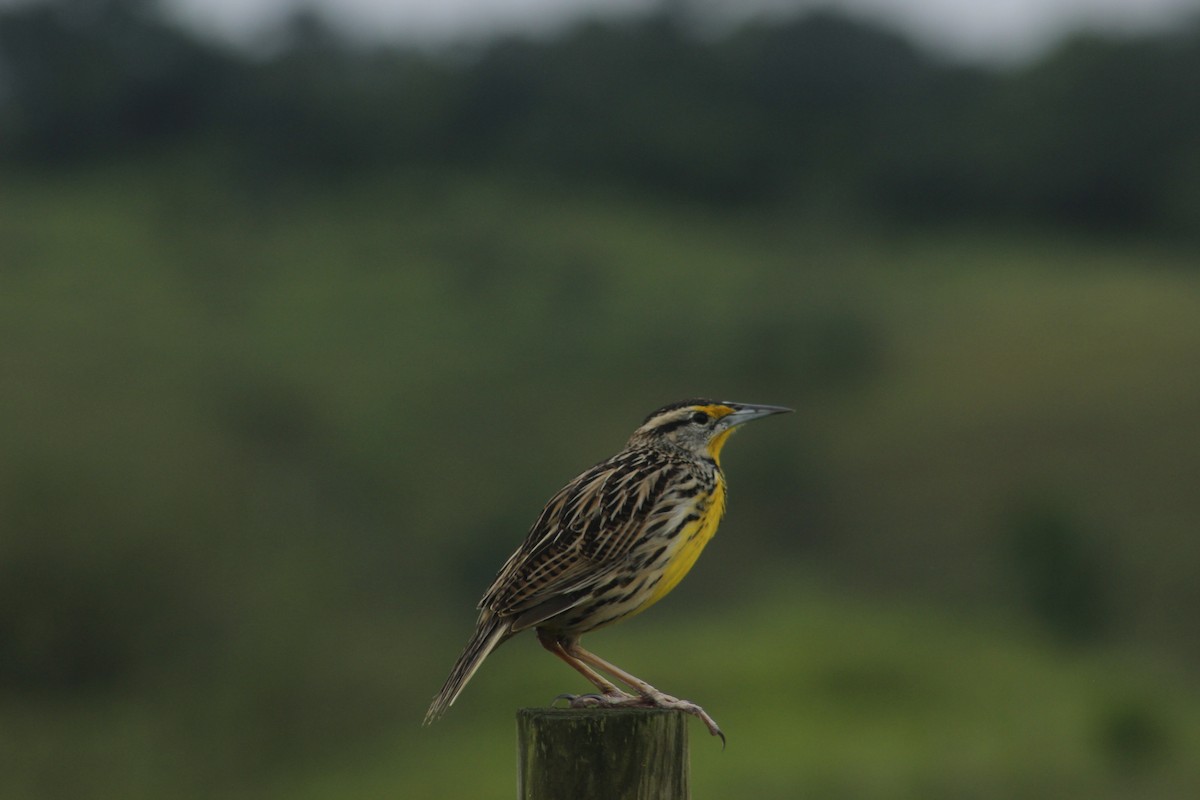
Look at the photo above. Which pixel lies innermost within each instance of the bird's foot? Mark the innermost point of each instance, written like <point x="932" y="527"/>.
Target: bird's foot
<point x="658" y="699"/>
<point x="653" y="699"/>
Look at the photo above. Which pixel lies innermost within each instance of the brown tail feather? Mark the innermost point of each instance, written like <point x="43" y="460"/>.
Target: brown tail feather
<point x="489" y="632"/>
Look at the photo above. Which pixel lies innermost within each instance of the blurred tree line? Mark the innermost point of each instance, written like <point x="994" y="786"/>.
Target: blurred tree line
<point x="816" y="111"/>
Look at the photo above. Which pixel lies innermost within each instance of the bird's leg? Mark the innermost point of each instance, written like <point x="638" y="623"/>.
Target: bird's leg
<point x="609" y="693"/>
<point x="649" y="697"/>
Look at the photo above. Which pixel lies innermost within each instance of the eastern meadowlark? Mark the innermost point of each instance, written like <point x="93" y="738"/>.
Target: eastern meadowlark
<point x="609" y="545"/>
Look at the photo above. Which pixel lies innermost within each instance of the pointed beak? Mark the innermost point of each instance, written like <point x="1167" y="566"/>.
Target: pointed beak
<point x="743" y="412"/>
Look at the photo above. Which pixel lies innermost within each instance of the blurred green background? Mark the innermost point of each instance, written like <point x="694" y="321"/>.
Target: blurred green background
<point x="296" y="342"/>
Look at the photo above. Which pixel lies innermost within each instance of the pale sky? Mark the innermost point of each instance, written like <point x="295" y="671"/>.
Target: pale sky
<point x="987" y="29"/>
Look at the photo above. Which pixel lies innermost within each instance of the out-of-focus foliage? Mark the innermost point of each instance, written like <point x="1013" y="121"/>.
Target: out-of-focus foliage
<point x="820" y="111"/>
<point x="295" y="345"/>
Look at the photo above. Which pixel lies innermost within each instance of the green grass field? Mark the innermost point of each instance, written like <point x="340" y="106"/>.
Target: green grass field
<point x="238" y="557"/>
<point x="827" y="696"/>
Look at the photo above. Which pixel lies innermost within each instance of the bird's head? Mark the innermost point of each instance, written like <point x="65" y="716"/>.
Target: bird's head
<point x="699" y="426"/>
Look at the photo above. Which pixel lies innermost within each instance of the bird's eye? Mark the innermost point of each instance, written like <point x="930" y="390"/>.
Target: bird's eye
<point x="700" y="418"/>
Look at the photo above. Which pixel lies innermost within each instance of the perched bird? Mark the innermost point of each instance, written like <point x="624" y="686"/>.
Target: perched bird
<point x="610" y="544"/>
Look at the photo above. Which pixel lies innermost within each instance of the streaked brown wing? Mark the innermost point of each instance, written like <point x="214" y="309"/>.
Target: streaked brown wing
<point x="593" y="521"/>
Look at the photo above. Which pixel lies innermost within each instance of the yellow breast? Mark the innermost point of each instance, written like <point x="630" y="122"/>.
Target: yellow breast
<point x="688" y="545"/>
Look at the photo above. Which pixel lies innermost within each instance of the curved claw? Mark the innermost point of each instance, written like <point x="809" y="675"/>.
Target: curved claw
<point x="709" y="722"/>
<point x="688" y="707"/>
<point x="713" y="729"/>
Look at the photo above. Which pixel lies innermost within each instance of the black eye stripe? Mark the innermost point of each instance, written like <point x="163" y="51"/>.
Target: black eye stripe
<point x="667" y="427"/>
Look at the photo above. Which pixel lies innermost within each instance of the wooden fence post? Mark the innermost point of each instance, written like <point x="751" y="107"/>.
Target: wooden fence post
<point x="602" y="754"/>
